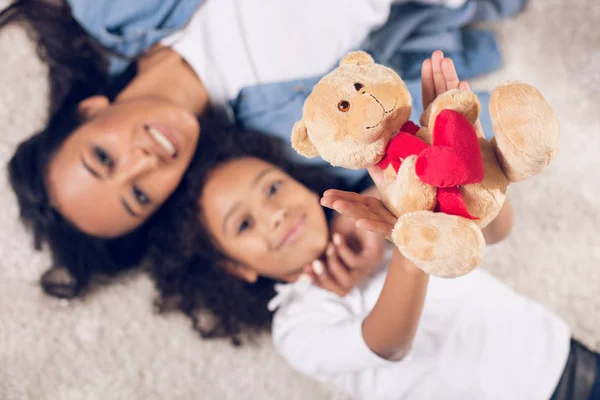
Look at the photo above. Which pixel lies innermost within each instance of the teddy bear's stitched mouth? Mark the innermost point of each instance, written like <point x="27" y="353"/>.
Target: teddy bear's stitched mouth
<point x="384" y="111"/>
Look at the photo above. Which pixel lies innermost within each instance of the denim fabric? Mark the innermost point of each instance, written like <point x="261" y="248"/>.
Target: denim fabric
<point x="130" y="27"/>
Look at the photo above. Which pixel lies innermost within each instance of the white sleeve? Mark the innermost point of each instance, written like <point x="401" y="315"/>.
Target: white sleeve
<point x="323" y="338"/>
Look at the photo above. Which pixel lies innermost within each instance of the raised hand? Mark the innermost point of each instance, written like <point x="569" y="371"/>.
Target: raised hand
<point x="438" y="75"/>
<point x="368" y="212"/>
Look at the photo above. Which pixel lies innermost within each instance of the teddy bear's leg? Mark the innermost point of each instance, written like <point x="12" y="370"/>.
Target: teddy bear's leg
<point x="463" y="101"/>
<point x="440" y="244"/>
<point x="406" y="192"/>
<point x="526" y="131"/>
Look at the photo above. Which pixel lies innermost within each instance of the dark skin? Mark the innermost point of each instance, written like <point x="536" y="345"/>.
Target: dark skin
<point x="114" y="156"/>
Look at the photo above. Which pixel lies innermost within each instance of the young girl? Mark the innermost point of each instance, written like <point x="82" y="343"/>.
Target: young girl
<point x="247" y="249"/>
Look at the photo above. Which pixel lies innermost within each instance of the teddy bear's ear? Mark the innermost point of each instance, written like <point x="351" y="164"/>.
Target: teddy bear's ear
<point x="301" y="142"/>
<point x="357" y="58"/>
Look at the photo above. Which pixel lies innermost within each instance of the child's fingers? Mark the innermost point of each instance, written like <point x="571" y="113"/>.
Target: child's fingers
<point x="452" y="81"/>
<point x="427" y="84"/>
<point x="382" y="229"/>
<point x="464" y="85"/>
<point x="438" y="75"/>
<point x="328" y="200"/>
<point x="382" y="211"/>
<point x="338" y="271"/>
<point x="348" y="257"/>
<point x="343" y="195"/>
<point x="324" y="280"/>
<point x="356" y="211"/>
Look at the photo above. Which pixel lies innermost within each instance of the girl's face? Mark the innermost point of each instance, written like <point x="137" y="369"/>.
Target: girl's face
<point x="117" y="168"/>
<point x="268" y="223"/>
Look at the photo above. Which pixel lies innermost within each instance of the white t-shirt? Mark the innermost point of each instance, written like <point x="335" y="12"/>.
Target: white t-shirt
<point x="232" y="44"/>
<point x="477" y="339"/>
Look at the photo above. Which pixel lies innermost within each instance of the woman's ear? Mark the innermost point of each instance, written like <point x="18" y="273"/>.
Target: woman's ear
<point x="240" y="271"/>
<point x="89" y="107"/>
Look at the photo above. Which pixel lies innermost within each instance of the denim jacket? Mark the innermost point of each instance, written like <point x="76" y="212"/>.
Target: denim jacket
<point x="409" y="36"/>
<point x="130" y="27"/>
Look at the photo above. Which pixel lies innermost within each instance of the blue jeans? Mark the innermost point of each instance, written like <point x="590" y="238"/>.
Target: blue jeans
<point x="581" y="377"/>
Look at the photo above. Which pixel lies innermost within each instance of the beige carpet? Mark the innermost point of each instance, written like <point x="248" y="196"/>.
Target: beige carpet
<point x="112" y="347"/>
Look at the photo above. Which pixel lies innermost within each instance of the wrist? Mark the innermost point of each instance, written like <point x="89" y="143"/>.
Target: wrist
<point x="399" y="261"/>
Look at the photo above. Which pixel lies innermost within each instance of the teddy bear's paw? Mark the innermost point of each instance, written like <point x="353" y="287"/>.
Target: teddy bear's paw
<point x="462" y="101"/>
<point x="526" y="130"/>
<point x="440" y="244"/>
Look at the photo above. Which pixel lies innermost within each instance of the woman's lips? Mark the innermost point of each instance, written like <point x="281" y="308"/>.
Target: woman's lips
<point x="164" y="138"/>
<point x="294" y="232"/>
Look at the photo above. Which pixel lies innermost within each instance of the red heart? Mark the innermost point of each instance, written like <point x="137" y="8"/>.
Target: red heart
<point x="454" y="157"/>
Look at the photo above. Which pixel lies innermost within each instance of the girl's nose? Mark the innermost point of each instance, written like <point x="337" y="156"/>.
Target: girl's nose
<point x="277" y="216"/>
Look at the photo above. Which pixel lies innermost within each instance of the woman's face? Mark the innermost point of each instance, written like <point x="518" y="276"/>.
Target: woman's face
<point x="262" y="218"/>
<point x="118" y="167"/>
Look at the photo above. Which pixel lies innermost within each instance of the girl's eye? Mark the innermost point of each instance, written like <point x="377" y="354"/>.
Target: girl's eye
<point x="245" y="225"/>
<point x="141" y="197"/>
<point x="102" y="156"/>
<point x="274" y="188"/>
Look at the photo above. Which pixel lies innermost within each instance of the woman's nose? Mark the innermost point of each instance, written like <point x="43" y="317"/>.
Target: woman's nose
<point x="136" y="163"/>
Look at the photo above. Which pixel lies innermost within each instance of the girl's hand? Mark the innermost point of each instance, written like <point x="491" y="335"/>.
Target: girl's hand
<point x="438" y="75"/>
<point x="352" y="255"/>
<point x="367" y="212"/>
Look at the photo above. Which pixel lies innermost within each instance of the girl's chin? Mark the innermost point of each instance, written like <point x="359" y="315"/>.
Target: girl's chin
<point x="293" y="276"/>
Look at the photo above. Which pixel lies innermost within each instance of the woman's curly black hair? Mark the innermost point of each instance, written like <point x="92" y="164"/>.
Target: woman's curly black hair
<point x="184" y="263"/>
<point x="78" y="68"/>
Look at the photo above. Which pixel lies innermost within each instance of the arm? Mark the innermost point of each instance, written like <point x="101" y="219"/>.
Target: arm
<point x="500" y="227"/>
<point x="327" y="336"/>
<point x="390" y="327"/>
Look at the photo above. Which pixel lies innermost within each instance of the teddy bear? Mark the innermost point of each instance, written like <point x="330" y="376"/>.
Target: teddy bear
<point x="443" y="180"/>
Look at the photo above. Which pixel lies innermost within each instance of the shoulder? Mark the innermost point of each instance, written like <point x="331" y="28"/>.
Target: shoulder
<point x="312" y="303"/>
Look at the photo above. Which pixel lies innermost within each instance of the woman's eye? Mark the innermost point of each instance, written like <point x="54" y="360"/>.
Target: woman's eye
<point x="102" y="156"/>
<point x="141" y="197"/>
<point x="274" y="188"/>
<point x="245" y="225"/>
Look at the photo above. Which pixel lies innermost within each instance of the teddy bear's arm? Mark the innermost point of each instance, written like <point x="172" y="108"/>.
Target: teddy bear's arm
<point x="405" y="192"/>
<point x="463" y="101"/>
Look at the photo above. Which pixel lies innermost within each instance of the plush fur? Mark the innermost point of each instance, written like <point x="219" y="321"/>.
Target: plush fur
<point x="354" y="112"/>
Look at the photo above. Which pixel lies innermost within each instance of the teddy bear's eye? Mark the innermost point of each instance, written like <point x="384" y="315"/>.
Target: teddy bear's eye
<point x="343" y="106"/>
<point x="358" y="86"/>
